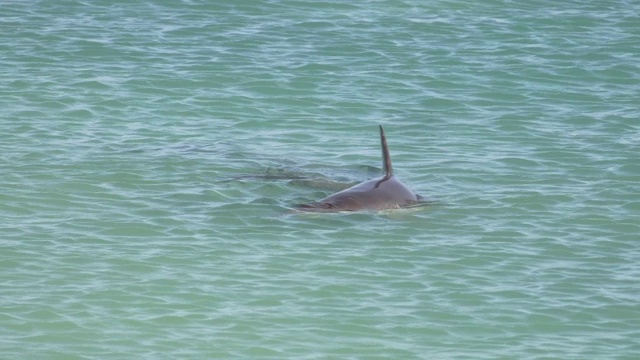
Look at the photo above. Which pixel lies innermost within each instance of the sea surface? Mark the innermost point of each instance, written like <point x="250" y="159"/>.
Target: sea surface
<point x="151" y="153"/>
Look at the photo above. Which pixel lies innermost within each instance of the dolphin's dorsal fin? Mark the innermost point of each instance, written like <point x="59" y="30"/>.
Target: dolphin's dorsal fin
<point x="386" y="159"/>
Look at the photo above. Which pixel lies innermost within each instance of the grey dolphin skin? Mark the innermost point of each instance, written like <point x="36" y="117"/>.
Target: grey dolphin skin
<point x="385" y="192"/>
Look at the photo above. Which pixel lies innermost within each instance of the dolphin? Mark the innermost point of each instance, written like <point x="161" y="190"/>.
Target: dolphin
<point x="385" y="192"/>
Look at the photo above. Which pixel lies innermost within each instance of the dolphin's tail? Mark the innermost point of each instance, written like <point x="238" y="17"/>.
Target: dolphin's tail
<point x="386" y="158"/>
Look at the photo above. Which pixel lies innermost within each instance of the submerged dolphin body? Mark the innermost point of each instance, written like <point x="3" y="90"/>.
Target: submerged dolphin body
<point x="385" y="192"/>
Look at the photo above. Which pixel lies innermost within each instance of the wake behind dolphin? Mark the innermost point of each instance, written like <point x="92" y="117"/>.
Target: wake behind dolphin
<point x="385" y="192"/>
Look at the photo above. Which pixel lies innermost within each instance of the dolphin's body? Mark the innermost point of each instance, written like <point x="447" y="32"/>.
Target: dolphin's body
<point x="385" y="192"/>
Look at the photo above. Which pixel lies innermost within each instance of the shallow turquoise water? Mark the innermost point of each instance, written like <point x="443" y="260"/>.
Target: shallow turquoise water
<point x="136" y="220"/>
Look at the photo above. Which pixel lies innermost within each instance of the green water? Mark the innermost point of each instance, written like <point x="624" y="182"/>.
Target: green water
<point x="137" y="220"/>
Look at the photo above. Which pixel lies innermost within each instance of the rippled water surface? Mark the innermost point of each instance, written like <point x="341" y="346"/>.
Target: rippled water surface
<point x="150" y="152"/>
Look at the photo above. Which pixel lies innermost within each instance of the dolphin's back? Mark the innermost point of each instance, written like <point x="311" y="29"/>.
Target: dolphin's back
<point x="386" y="192"/>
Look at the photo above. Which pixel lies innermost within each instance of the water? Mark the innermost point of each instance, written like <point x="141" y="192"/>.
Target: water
<point x="136" y="219"/>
